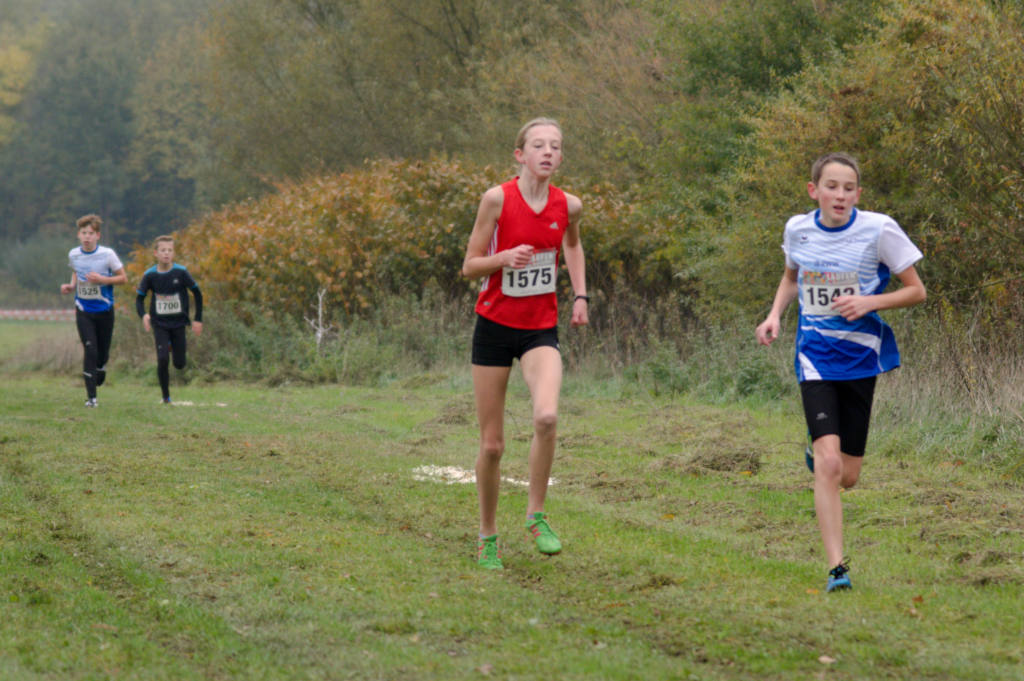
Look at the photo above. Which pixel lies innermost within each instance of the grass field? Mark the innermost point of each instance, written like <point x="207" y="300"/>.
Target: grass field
<point x="283" y="533"/>
<point x="17" y="338"/>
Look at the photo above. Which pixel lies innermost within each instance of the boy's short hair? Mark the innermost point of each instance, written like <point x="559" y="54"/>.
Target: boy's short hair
<point x="834" y="157"/>
<point x="162" y="238"/>
<point x="90" y="220"/>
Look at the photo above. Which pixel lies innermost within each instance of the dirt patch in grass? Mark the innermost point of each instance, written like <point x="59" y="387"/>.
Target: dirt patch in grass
<point x="580" y="441"/>
<point x="712" y="460"/>
<point x="614" y="489"/>
<point x="459" y="412"/>
<point x="708" y="441"/>
<point x="350" y="409"/>
<point x="993" y="576"/>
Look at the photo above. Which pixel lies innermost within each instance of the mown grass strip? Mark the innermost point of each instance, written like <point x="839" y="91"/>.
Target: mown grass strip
<point x="281" y="534"/>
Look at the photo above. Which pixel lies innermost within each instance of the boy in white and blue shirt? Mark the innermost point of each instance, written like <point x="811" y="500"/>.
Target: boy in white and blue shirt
<point x="838" y="264"/>
<point x="95" y="270"/>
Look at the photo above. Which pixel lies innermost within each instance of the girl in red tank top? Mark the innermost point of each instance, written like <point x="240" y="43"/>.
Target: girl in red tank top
<point x="523" y="227"/>
<point x="524" y="298"/>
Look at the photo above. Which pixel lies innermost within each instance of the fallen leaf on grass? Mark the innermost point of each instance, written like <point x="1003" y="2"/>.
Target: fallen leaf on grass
<point x="825" y="659"/>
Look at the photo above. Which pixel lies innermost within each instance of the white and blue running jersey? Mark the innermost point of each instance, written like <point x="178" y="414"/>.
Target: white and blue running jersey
<point x="854" y="259"/>
<point x="90" y="297"/>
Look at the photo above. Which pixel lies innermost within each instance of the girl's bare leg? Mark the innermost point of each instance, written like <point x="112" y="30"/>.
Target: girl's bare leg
<point x="542" y="371"/>
<point x="489" y="386"/>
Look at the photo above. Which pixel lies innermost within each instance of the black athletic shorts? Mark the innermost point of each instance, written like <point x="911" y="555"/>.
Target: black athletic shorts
<point x="496" y="345"/>
<point x="840" y="408"/>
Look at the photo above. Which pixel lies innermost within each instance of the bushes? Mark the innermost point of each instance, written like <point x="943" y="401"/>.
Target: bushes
<point x="932" y="105"/>
<point x="385" y="231"/>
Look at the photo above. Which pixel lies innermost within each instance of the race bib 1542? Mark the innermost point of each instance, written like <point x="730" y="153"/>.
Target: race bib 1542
<point x="820" y="290"/>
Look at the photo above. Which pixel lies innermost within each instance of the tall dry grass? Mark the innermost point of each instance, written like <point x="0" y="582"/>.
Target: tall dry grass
<point x="957" y="397"/>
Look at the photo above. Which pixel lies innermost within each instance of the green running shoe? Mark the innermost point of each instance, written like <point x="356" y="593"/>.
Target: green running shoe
<point x="488" y="555"/>
<point x="545" y="538"/>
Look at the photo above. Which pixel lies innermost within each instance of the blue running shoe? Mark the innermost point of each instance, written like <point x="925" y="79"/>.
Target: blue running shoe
<point x="839" y="577"/>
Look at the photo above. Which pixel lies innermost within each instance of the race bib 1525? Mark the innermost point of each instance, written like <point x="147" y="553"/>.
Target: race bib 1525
<point x="87" y="290"/>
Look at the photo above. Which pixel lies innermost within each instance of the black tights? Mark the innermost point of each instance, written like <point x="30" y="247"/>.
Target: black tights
<point x="170" y="344"/>
<point x="96" y="329"/>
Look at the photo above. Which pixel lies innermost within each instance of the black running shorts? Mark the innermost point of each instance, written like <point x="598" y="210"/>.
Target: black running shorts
<point x="840" y="408"/>
<point x="496" y="345"/>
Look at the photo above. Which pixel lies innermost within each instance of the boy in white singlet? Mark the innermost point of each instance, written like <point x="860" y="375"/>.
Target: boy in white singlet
<point x="95" y="270"/>
<point x="838" y="264"/>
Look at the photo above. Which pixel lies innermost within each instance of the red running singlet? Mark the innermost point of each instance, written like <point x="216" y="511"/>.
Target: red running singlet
<point x="526" y="299"/>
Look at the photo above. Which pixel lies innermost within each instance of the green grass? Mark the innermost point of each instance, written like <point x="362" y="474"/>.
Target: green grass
<point x="279" y="533"/>
<point x="18" y="338"/>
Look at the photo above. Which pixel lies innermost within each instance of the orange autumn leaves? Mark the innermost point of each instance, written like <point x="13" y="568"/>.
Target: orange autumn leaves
<point x="390" y="228"/>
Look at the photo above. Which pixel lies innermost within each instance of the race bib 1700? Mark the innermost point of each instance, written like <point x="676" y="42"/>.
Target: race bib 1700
<point x="537" y="278"/>
<point x="820" y="290"/>
<point x="168" y="304"/>
<point x="86" y="290"/>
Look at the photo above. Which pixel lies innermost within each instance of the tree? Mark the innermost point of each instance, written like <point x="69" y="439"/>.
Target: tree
<point x="932" y="105"/>
<point x="324" y="84"/>
<point x="21" y="36"/>
<point x="75" y="123"/>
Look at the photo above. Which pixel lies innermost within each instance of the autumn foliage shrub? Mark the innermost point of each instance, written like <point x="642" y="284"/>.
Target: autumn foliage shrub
<point x="392" y="228"/>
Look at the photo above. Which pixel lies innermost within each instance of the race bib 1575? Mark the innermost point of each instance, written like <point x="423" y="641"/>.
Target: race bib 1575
<point x="537" y="278"/>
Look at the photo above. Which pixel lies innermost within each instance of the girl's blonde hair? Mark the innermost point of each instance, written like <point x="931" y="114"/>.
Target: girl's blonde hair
<point x="521" y="137"/>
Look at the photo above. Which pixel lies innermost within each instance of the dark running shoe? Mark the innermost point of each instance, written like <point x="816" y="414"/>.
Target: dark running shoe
<point x="839" y="577"/>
